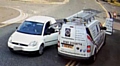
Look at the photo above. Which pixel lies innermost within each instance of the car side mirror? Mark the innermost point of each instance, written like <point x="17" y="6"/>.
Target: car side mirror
<point x="103" y="28"/>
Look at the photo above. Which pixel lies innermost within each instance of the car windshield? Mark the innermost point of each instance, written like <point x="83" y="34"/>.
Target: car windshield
<point x="29" y="27"/>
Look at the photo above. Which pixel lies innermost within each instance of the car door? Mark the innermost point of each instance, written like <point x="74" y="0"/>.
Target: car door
<point x="50" y="36"/>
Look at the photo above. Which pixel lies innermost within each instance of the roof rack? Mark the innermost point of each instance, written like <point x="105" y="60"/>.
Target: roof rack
<point x="84" y="16"/>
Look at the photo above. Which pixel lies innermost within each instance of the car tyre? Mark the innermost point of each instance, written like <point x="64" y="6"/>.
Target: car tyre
<point x="104" y="40"/>
<point x="41" y="50"/>
<point x="11" y="50"/>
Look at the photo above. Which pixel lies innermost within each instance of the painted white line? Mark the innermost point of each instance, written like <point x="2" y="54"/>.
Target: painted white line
<point x="16" y="19"/>
<point x="103" y="8"/>
<point x="64" y="2"/>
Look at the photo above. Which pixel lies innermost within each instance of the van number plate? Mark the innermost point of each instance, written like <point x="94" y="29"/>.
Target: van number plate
<point x="68" y="46"/>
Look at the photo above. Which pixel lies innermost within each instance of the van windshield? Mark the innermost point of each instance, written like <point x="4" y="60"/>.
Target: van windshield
<point x="30" y="27"/>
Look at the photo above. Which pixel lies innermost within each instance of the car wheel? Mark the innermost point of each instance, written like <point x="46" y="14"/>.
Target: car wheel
<point x="41" y="49"/>
<point x="11" y="50"/>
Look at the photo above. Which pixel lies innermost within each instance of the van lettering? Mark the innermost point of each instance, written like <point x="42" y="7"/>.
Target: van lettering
<point x="66" y="42"/>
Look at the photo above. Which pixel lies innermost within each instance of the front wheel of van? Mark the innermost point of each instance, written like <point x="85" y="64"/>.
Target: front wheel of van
<point x="41" y="50"/>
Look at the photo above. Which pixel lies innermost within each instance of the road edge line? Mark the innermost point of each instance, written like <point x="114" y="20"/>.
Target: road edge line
<point x="64" y="2"/>
<point x="106" y="11"/>
<point x="16" y="19"/>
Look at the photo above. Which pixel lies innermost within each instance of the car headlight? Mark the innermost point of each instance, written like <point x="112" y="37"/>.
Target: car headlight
<point x="33" y="43"/>
<point x="10" y="40"/>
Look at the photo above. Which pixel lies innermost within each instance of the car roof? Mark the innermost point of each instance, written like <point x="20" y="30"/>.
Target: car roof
<point x="41" y="19"/>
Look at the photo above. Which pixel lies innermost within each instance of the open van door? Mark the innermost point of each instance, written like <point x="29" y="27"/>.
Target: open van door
<point x="109" y="26"/>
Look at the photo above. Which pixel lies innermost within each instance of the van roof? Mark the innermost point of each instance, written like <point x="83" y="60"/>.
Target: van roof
<point x="74" y="23"/>
<point x="41" y="19"/>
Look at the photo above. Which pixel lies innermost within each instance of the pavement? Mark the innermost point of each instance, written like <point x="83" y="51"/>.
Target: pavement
<point x="54" y="0"/>
<point x="45" y="1"/>
<point x="7" y="13"/>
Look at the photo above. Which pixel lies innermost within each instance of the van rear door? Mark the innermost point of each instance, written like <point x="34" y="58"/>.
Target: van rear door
<point x="73" y="39"/>
<point x="67" y="39"/>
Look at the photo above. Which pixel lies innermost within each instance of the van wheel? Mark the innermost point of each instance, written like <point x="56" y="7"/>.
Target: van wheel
<point x="93" y="58"/>
<point x="41" y="50"/>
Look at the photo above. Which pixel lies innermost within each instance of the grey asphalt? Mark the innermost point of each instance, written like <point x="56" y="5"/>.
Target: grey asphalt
<point x="108" y="56"/>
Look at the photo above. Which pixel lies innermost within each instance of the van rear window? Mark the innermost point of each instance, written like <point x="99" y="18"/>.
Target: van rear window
<point x="88" y="32"/>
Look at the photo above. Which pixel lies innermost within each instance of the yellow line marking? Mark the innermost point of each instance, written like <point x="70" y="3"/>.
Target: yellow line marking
<point x="68" y="64"/>
<point x="103" y="8"/>
<point x="104" y="24"/>
<point x="73" y="64"/>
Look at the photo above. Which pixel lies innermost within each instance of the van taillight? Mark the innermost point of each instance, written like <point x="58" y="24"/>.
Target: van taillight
<point x="88" y="48"/>
<point x="58" y="43"/>
<point x="89" y="37"/>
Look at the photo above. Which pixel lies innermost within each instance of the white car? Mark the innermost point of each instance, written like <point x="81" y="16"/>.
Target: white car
<point x="33" y="35"/>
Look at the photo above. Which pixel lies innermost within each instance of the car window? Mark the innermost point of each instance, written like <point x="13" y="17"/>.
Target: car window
<point x="30" y="27"/>
<point x="46" y="28"/>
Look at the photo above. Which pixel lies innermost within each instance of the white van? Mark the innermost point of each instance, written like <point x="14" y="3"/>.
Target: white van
<point x="33" y="35"/>
<point x="81" y="37"/>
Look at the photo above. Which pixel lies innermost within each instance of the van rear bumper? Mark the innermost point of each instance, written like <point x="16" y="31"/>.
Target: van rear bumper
<point x="73" y="57"/>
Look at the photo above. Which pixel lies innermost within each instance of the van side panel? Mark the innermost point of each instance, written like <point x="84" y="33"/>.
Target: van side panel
<point x="80" y="40"/>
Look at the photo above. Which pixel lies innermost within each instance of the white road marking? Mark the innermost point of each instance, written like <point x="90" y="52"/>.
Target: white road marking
<point x="16" y="19"/>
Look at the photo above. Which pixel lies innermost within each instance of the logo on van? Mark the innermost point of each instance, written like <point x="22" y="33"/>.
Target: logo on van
<point x="67" y="32"/>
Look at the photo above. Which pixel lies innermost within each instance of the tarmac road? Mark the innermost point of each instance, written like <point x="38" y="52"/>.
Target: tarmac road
<point x="108" y="56"/>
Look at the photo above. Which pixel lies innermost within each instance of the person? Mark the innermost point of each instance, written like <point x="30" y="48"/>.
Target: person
<point x="114" y="15"/>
